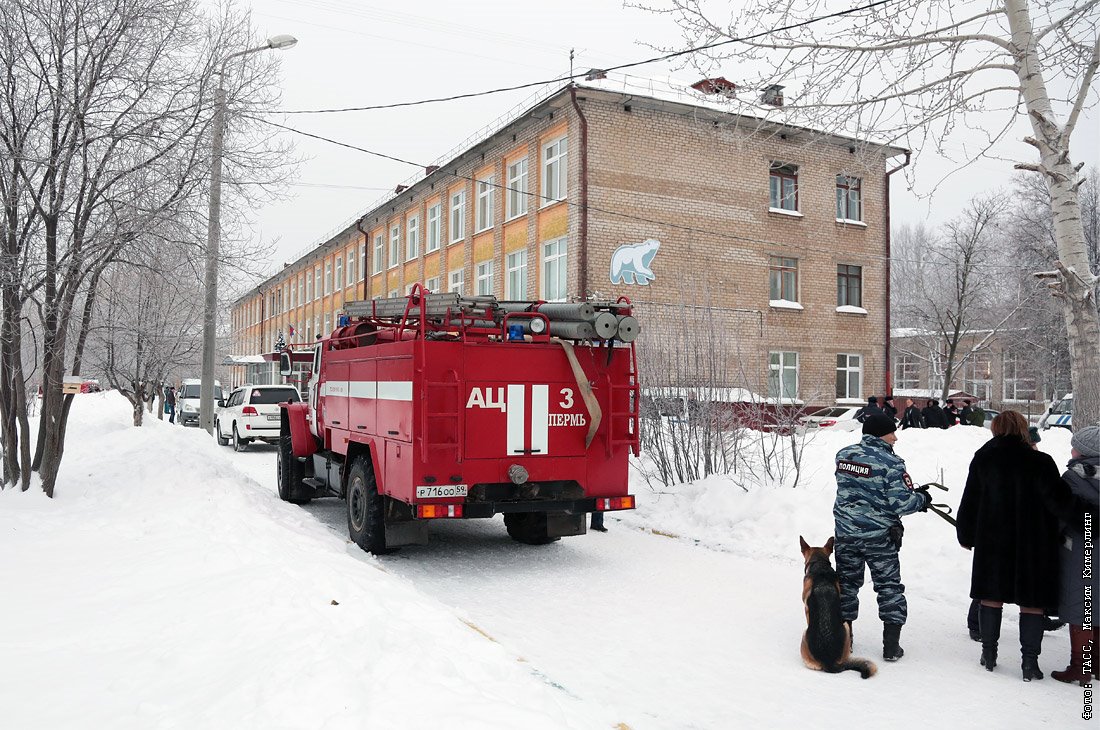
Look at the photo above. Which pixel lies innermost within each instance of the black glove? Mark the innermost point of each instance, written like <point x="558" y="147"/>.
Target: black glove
<point x="895" y="532"/>
<point x="923" y="491"/>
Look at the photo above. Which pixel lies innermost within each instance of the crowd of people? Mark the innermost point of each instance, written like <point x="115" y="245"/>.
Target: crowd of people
<point x="1026" y="525"/>
<point x="931" y="416"/>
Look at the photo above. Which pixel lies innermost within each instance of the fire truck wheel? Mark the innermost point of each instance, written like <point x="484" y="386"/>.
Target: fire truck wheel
<point x="222" y="440"/>
<point x="290" y="473"/>
<point x="528" y="528"/>
<point x="365" y="524"/>
<point x="239" y="443"/>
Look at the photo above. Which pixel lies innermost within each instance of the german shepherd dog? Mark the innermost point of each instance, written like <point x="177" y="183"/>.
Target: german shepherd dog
<point x="827" y="643"/>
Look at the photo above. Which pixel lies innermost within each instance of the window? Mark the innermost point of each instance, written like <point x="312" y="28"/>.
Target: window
<point x="906" y="372"/>
<point x="555" y="273"/>
<point x="302" y="289"/>
<point x="328" y="278"/>
<point x="338" y="282"/>
<point x="432" y="284"/>
<point x="434" y="215"/>
<point x="849" y="198"/>
<point x="458" y="216"/>
<point x="485" y="278"/>
<point x="379" y="252"/>
<point x="783" y="187"/>
<point x="458" y="281"/>
<point x="849" y="376"/>
<point x="554" y="158"/>
<point x="484" y="213"/>
<point x="849" y="286"/>
<point x="517" y="189"/>
<point x="309" y="288"/>
<point x="515" y="285"/>
<point x="395" y="246"/>
<point x="394" y="293"/>
<point x="1016" y="385"/>
<point x="783" y="375"/>
<point x="783" y="278"/>
<point x="978" y="378"/>
<point x="408" y="289"/>
<point x="350" y="270"/>
<point x="293" y="295"/>
<point x="317" y="283"/>
<point x="363" y="261"/>
<point x="412" y="237"/>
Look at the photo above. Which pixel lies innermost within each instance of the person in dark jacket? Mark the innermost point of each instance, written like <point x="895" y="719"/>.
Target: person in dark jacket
<point x="889" y="408"/>
<point x="977" y="415"/>
<point x="1084" y="481"/>
<point x="950" y="414"/>
<point x="170" y="403"/>
<point x="911" y="417"/>
<point x="964" y="413"/>
<point x="871" y="409"/>
<point x="933" y="415"/>
<point x="1008" y="515"/>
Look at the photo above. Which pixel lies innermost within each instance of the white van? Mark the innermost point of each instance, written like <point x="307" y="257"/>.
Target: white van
<point x="1060" y="414"/>
<point x="187" y="400"/>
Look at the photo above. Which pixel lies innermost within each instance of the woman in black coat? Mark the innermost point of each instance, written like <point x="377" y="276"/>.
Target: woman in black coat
<point x="1084" y="481"/>
<point x="1009" y="517"/>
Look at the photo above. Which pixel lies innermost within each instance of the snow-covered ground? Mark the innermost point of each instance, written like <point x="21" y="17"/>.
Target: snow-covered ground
<point x="167" y="586"/>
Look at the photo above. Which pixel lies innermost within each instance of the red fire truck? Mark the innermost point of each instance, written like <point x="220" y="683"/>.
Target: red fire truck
<point x="438" y="406"/>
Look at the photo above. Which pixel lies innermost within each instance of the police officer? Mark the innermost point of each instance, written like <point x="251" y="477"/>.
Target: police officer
<point x="873" y="492"/>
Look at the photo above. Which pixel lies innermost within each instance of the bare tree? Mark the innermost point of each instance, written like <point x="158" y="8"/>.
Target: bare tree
<point x="107" y="137"/>
<point x="914" y="71"/>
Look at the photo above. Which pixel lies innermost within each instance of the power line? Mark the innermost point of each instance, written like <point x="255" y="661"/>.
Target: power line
<point x="532" y="84"/>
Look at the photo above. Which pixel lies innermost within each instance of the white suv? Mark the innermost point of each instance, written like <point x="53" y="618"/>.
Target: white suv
<point x="250" y="413"/>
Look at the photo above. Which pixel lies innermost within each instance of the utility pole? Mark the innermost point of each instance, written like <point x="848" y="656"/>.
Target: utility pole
<point x="214" y="231"/>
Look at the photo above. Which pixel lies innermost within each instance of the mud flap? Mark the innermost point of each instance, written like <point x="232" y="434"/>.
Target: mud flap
<point x="411" y="532"/>
<point x="560" y="524"/>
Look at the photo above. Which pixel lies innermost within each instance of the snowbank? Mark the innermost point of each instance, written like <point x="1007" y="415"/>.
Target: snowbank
<point x="164" y="588"/>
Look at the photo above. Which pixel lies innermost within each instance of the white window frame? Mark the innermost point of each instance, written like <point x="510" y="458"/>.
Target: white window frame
<point x="555" y="170"/>
<point x="517" y="189"/>
<point x="302" y="290"/>
<point x="555" y="270"/>
<point x="485" y="277"/>
<point x="379" y="261"/>
<point x="457" y="281"/>
<point x="852" y="364"/>
<point x="434" y="225"/>
<point x="1011" y="386"/>
<point x="338" y="273"/>
<point x="363" y="261"/>
<point x="982" y="389"/>
<point x="778" y="366"/>
<point x="394" y="293"/>
<point x="781" y="201"/>
<point x="317" y="283"/>
<point x="349" y="269"/>
<point x="849" y="188"/>
<point x="412" y="237"/>
<point x="458" y="216"/>
<point x="515" y="281"/>
<point x="483" y="213"/>
<point x="395" y="246"/>
<point x="906" y="371"/>
<point x="432" y="285"/>
<point x="328" y="277"/>
<point x="778" y="270"/>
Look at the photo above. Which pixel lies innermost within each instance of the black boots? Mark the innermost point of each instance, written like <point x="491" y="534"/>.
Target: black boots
<point x="989" y="624"/>
<point x="891" y="651"/>
<point x="1031" y="643"/>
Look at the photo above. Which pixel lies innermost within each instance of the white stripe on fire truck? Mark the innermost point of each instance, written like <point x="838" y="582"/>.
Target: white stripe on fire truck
<point x="540" y="419"/>
<point x="398" y="390"/>
<point x="516" y="420"/>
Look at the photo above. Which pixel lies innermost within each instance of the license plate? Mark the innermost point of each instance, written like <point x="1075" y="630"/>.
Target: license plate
<point x="442" y="490"/>
<point x="273" y="416"/>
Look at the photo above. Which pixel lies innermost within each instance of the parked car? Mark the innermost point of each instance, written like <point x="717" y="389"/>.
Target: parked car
<point x="188" y="397"/>
<point x="835" y="418"/>
<point x="251" y="413"/>
<point x="1059" y="414"/>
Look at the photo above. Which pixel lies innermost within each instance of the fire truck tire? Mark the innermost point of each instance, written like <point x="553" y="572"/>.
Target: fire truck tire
<point x="290" y="473"/>
<point x="365" y="508"/>
<point x="528" y="528"/>
<point x="222" y="440"/>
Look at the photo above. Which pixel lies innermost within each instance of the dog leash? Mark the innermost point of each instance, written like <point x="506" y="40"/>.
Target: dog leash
<point x="943" y="510"/>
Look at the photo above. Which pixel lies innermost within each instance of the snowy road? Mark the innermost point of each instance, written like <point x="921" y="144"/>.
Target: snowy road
<point x="674" y="635"/>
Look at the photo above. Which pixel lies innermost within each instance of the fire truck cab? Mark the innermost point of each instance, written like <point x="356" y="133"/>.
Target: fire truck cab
<point x="436" y="406"/>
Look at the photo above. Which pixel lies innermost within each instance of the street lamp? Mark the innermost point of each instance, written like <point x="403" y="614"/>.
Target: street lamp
<point x="214" y="230"/>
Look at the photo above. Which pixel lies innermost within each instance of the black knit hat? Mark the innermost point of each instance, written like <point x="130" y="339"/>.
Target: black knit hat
<point x="879" y="425"/>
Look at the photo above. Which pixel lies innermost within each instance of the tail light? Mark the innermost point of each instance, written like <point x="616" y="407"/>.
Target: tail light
<point x="249" y="411"/>
<point x="433" y="511"/>
<point x="830" y="422"/>
<point x="605" y="504"/>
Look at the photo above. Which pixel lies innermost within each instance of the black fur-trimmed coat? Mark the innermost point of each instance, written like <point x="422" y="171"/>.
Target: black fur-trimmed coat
<point x="1009" y="516"/>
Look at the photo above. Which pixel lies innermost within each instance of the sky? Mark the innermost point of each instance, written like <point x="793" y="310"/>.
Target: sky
<point x="358" y="53"/>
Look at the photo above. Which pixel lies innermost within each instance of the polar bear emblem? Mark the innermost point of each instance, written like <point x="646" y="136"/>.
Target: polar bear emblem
<point x="630" y="262"/>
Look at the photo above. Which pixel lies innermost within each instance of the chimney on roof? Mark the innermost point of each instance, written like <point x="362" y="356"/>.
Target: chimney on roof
<point x="719" y="86"/>
<point x="595" y="74"/>
<point x="430" y="169"/>
<point x="400" y="189"/>
<point x="773" y="95"/>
